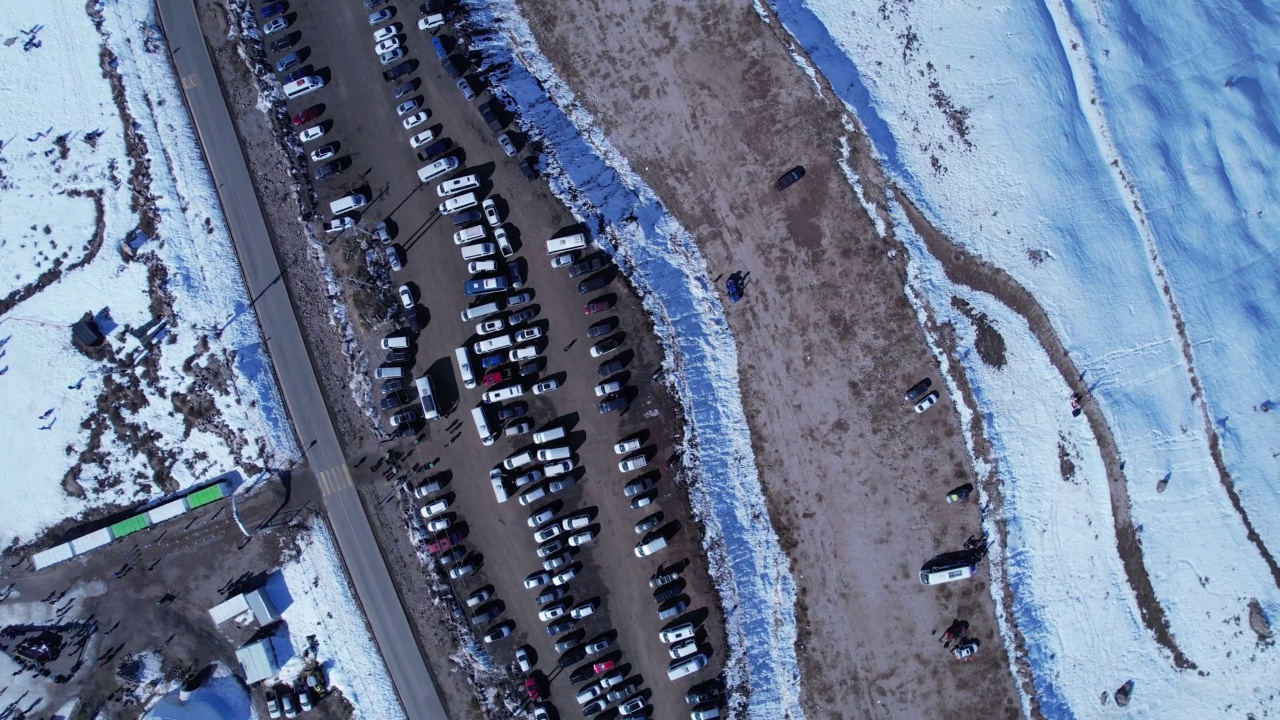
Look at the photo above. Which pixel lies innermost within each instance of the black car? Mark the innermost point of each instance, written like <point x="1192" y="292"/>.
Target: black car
<point x="470" y="217"/>
<point x="582" y="674"/>
<point x="604" y="327"/>
<point x="917" y="390"/>
<point x="451" y="68"/>
<point x="285" y="42"/>
<point x="330" y="168"/>
<point x="393" y="400"/>
<point x="560" y="628"/>
<point x="789" y="178"/>
<point x="371" y="4"/>
<point x="609" y="406"/>
<point x="609" y="368"/>
<point x="392" y="385"/>
<point x="530" y="368"/>
<point x="433" y="151"/>
<point x="571" y="656"/>
<point x="698" y="696"/>
<point x="589" y="265"/>
<point x="489" y="111"/>
<point x="398" y="71"/>
<point x="529" y="168"/>
<point x="295" y="75"/>
<point x="406" y="88"/>
<point x="511" y="411"/>
<point x="667" y="592"/>
<point x="271" y="10"/>
<point x="431" y="6"/>
<point x="592" y="284"/>
<point x="398" y="356"/>
<point x="413" y="316"/>
<point x="515" y="275"/>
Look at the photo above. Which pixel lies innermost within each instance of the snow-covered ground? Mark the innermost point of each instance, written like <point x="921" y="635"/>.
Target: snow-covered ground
<point x="595" y="181"/>
<point x="1119" y="160"/>
<point x="315" y="600"/>
<point x="194" y="396"/>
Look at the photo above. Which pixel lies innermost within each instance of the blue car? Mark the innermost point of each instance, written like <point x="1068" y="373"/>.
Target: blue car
<point x="489" y="361"/>
<point x="438" y="44"/>
<point x="272" y="10"/>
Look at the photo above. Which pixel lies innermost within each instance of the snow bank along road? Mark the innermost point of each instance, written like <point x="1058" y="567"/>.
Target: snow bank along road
<point x="301" y="392"/>
<point x="1118" y="161"/>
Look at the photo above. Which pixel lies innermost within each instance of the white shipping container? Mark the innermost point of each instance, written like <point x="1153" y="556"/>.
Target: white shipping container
<point x="93" y="540"/>
<point x="167" y="511"/>
<point x="52" y="556"/>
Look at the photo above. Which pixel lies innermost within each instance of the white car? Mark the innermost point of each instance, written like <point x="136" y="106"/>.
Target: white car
<point x="537" y="580"/>
<point x="524" y="658"/>
<point x="311" y="134"/>
<point x="547" y="533"/>
<point x="565" y="575"/>
<point x="489" y="327"/>
<point x="408" y="106"/>
<point x="528" y="478"/>
<point x="927" y="401"/>
<point x="627" y="446"/>
<point x="387" y="32"/>
<point x="475" y="267"/>
<point x="321" y="154"/>
<point x="560" y="261"/>
<point x="588" y="693"/>
<point x="608" y="388"/>
<point x="498" y="632"/>
<point x="508" y="147"/>
<point x="582" y="538"/>
<point x="504" y="244"/>
<point x="583" y="610"/>
<point x="387" y="45"/>
<point x="635" y="462"/>
<point x="275" y="26"/>
<point x="553" y="612"/>
<point x="541" y="516"/>
<point x="545" y="386"/>
<point x="480" y="596"/>
<point x="421" y="139"/>
<point x="435" y="508"/>
<point x="491" y="212"/>
<point x="439" y="524"/>
<point x="683" y="649"/>
<point x="416" y="119"/>
<point x="575" y="522"/>
<point x="558" y="468"/>
<point x="390" y="57"/>
<point x="406" y="296"/>
<point x="528" y="334"/>
<point x="337" y="225"/>
<point x="431" y="22"/>
<point x="555" y="563"/>
<point x="524" y="353"/>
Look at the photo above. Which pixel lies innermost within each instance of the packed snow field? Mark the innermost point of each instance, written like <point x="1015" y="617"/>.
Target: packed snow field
<point x="595" y="181"/>
<point x="1119" y="161"/>
<point x="106" y="207"/>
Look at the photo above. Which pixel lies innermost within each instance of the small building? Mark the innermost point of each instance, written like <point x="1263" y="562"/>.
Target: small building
<point x="258" y="660"/>
<point x="254" y="602"/>
<point x="86" y="332"/>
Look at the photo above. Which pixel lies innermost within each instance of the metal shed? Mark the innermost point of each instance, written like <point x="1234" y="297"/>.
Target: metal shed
<point x="52" y="556"/>
<point x="258" y="660"/>
<point x="167" y="511"/>
<point x="93" y="540"/>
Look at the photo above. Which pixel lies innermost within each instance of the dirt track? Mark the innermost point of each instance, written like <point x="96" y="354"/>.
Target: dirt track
<point x="714" y="113"/>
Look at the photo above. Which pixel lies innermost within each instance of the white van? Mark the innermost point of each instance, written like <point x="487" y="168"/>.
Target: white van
<point x="506" y="393"/>
<point x="499" y="488"/>
<point x="482" y="425"/>
<point x="458" y="184"/>
<point x="471" y="234"/>
<point x="479" y="311"/>
<point x="555" y="246"/>
<point x="350" y="203"/>
<point x="427" y="398"/>
<point x="555" y="453"/>
<point x="707" y="713"/>
<point x="488" y="345"/>
<point x="519" y="460"/>
<point x="478" y="250"/>
<point x="542" y="437"/>
<point x="302" y="86"/>
<point x="458" y="202"/>
<point x="436" y="169"/>
<point x="464" y="369"/>
<point x="395" y="342"/>
<point x="938" y="576"/>
<point x="475" y="267"/>
<point x="385" y="372"/>
<point x="645" y="548"/>
<point x="685" y="668"/>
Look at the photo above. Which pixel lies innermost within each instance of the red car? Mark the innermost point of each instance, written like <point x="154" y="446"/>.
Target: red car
<point x="496" y="376"/>
<point x="442" y="542"/>
<point x="602" y="667"/>
<point x="307" y="115"/>
<point x="531" y="687"/>
<point x="594" y="306"/>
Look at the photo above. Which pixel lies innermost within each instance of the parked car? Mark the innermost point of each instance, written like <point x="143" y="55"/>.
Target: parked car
<point x="491" y="212"/>
<point x="599" y="644"/>
<point x="311" y="134"/>
<point x="292" y="60"/>
<point x="608" y="368"/>
<point x="596" y="306"/>
<point x="635" y="487"/>
<point x="917" y="390"/>
<point x="393" y="401"/>
<point x="393" y="257"/>
<point x="522" y="353"/>
<point x="551" y="594"/>
<point x="789" y="178"/>
<point x="564" y="259"/>
<point x="589" y="265"/>
<point x="508" y="147"/>
<point x="466" y="88"/>
<point x="927" y="402"/>
<point x="606" y="389"/>
<point x="553" y="612"/>
<point x="391" y="56"/>
<point x="499" y="631"/>
<point x="626" y="446"/>
<point x="537" y="580"/>
<point x="306" y="116"/>
<point x="387" y="46"/>
<point x="546" y="386"/>
<point x="338" y="225"/>
<point x="381" y="16"/>
<point x="609" y="406"/>
<point x="547" y="533"/>
<point x="648" y="524"/>
<point x="635" y="462"/>
<point x="592" y="284"/>
<point x="560" y="628"/>
<point x="581" y="538"/>
<point x="524" y="658"/>
<point x="464" y="569"/>
<point x="407" y="298"/>
<point x="406" y="88"/>
<point x="604" y="347"/>
<point x="415" y="119"/>
<point x="275" y="26"/>
<point x="387" y="32"/>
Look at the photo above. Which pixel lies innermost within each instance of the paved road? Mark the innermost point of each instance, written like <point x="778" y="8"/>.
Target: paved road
<point x="293" y="367"/>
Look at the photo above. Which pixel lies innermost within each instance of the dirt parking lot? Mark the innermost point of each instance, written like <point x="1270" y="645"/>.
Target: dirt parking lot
<point x="358" y="111"/>
<point x="855" y="479"/>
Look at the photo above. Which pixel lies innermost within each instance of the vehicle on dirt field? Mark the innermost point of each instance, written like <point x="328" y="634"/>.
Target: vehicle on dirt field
<point x="789" y="178"/>
<point x="917" y="390"/>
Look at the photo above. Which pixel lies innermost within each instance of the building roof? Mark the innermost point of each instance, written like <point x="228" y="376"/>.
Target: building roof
<point x="231" y="607"/>
<point x="258" y="661"/>
<point x="263" y="611"/>
<point x="86" y="332"/>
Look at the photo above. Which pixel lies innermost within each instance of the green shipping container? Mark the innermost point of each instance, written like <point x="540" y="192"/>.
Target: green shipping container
<point x="130" y="526"/>
<point x="206" y="496"/>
